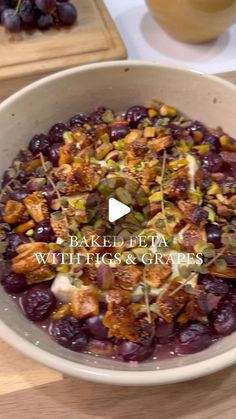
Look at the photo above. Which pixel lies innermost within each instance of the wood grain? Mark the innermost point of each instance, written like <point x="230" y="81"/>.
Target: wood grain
<point x="31" y="391"/>
<point x="18" y="372"/>
<point x="28" y="56"/>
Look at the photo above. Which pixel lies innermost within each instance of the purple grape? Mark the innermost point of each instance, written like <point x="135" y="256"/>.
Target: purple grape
<point x="231" y="298"/>
<point x="223" y="320"/>
<point x="22" y="176"/>
<point x="49" y="193"/>
<point x="24" y="155"/>
<point x="96" y="116"/>
<point x="5" y="270"/>
<point x="130" y="351"/>
<point x="135" y="114"/>
<point x="5" y="4"/>
<point x="11" y="20"/>
<point x="118" y="131"/>
<point x="43" y="232"/>
<point x="53" y="153"/>
<point x="46" y="6"/>
<point x="176" y="131"/>
<point x="26" y="11"/>
<point x="14" y="240"/>
<point x="38" y="303"/>
<point x="45" y="21"/>
<point x="78" y="120"/>
<point x="213" y="285"/>
<point x="6" y="178"/>
<point x="164" y="329"/>
<point x="67" y="332"/>
<point x="96" y="328"/>
<point x="18" y="195"/>
<point x="15" y="283"/>
<point x="212" y="141"/>
<point x="39" y="144"/>
<point x="193" y="337"/>
<point x="212" y="161"/>
<point x="56" y="133"/>
<point x="197" y="126"/>
<point x="67" y="13"/>
<point x="214" y="235"/>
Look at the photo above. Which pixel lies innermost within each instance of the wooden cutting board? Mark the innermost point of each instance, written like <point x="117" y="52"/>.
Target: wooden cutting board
<point x="28" y="56"/>
<point x="29" y="390"/>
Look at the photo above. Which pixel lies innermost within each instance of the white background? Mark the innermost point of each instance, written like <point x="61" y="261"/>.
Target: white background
<point x="144" y="39"/>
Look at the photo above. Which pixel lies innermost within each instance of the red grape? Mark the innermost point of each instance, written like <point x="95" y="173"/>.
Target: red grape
<point x="46" y="6"/>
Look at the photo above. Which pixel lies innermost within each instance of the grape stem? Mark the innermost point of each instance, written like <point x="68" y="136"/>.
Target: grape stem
<point x="17" y="7"/>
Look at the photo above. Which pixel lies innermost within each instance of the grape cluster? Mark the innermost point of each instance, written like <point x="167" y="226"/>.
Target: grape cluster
<point x="42" y="14"/>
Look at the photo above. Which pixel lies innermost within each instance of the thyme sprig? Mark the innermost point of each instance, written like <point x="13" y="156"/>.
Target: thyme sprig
<point x="50" y="180"/>
<point x="146" y="290"/>
<point x="162" y="192"/>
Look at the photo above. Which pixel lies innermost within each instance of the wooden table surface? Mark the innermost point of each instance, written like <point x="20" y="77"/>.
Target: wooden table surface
<point x="29" y="390"/>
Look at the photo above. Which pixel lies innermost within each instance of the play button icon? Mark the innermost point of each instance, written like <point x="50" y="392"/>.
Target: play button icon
<point x="116" y="210"/>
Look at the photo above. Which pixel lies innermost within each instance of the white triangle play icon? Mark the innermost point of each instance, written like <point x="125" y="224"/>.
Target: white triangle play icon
<point x="116" y="210"/>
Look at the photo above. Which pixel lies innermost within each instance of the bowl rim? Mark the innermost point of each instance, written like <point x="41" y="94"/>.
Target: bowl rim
<point x="101" y="375"/>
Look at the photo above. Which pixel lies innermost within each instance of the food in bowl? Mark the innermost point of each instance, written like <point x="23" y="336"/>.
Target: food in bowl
<point x="122" y="294"/>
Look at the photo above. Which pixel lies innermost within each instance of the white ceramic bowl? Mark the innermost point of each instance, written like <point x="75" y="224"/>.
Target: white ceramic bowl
<point x="118" y="85"/>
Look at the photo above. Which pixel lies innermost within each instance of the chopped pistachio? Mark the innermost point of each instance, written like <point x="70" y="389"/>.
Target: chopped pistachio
<point x="168" y="111"/>
<point x="124" y="196"/>
<point x="203" y="148"/>
<point x="152" y="112"/>
<point x="220" y="265"/>
<point x="195" y="195"/>
<point x="30" y="232"/>
<point x="68" y="137"/>
<point x="176" y="164"/>
<point x="227" y="143"/>
<point x="184" y="146"/>
<point x="198" y="136"/>
<point x="62" y="311"/>
<point x="139" y="216"/>
<point x="105" y="138"/>
<point x="211" y="214"/>
<point x="119" y="145"/>
<point x="103" y="150"/>
<point x="213" y="189"/>
<point x="149" y="132"/>
<point x="209" y="253"/>
<point x="156" y="196"/>
<point x="112" y="164"/>
<point x="107" y="116"/>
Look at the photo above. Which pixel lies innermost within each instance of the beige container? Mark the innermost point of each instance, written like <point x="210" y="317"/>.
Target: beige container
<point x="194" y="21"/>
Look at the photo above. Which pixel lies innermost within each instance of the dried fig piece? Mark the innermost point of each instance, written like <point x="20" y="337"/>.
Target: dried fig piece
<point x="26" y="261"/>
<point x="193" y="213"/>
<point x="155" y="275"/>
<point x="123" y="324"/>
<point x="104" y="277"/>
<point x="85" y="303"/>
<point x="59" y="225"/>
<point x="118" y="296"/>
<point x="37" y="206"/>
<point x="66" y="154"/>
<point x="170" y="302"/>
<point x="126" y="277"/>
<point x="161" y="143"/>
<point x="190" y="235"/>
<point x="177" y="188"/>
<point x="43" y="273"/>
<point x="13" y="212"/>
<point x="22" y="228"/>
